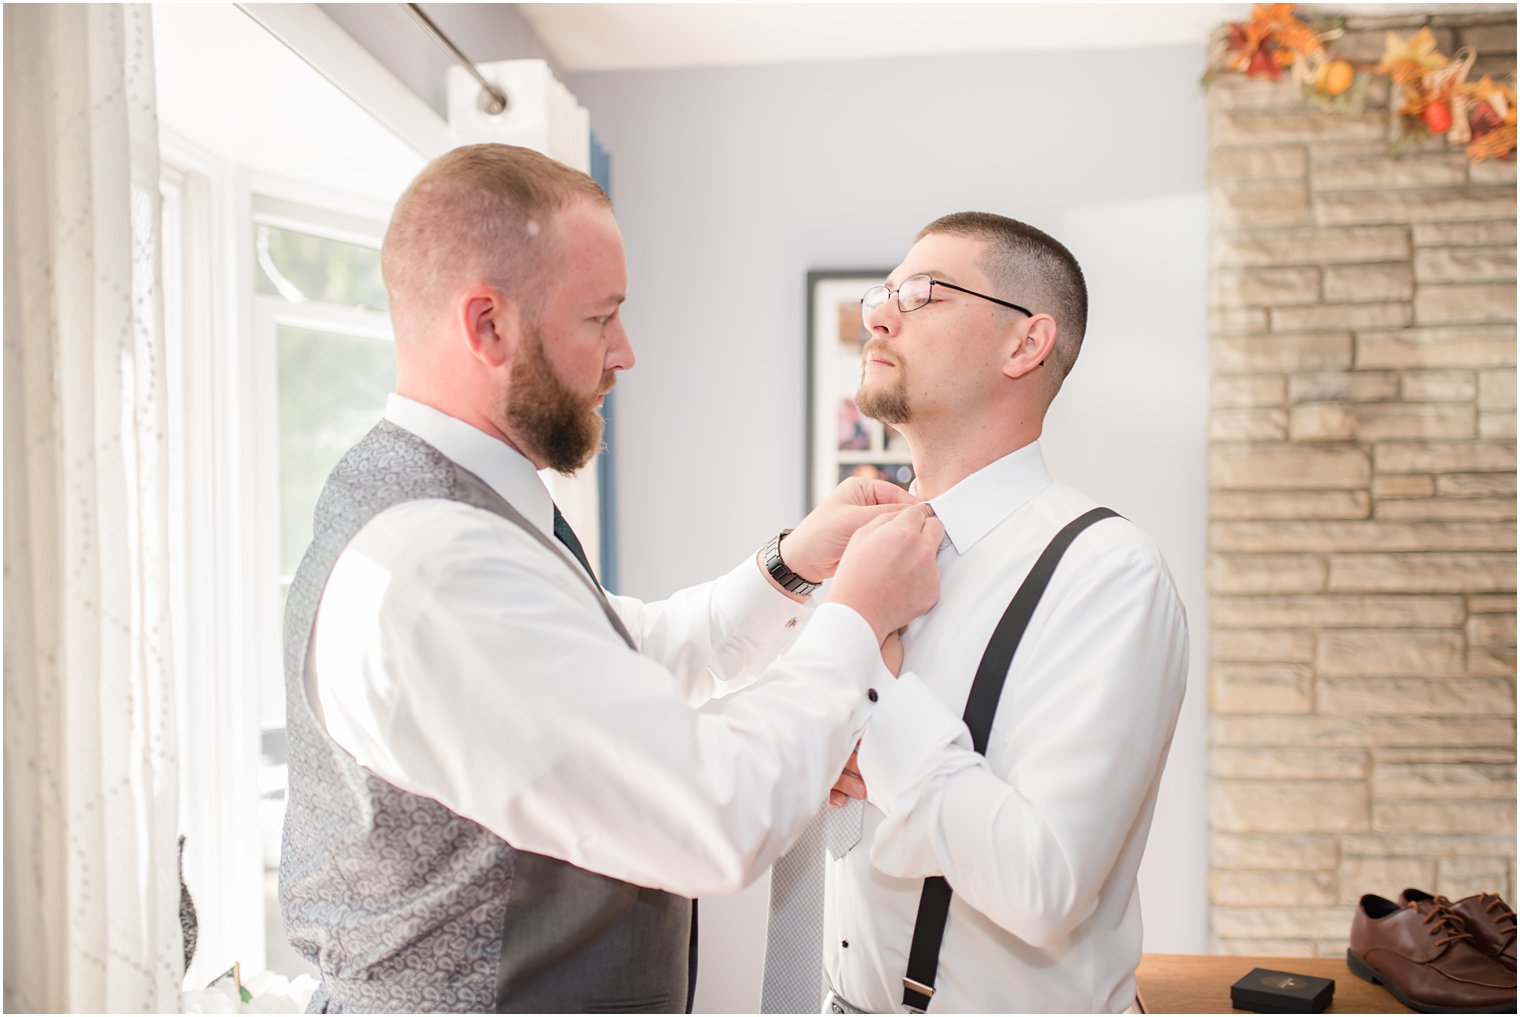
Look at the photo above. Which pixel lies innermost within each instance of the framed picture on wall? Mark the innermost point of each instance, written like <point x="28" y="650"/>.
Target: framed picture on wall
<point x="841" y="441"/>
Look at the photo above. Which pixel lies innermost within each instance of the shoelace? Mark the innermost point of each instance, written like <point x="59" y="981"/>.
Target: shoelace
<point x="1442" y="918"/>
<point x="1504" y="915"/>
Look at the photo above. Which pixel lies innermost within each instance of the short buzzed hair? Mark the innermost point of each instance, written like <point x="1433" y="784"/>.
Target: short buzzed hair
<point x="479" y="213"/>
<point x="1031" y="268"/>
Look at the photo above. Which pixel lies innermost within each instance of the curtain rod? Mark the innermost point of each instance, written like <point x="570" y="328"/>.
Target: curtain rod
<point x="492" y="99"/>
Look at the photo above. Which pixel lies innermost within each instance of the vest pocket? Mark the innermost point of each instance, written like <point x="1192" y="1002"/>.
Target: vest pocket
<point x="649" y="1004"/>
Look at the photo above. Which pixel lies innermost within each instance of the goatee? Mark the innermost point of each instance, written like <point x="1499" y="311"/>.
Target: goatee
<point x="888" y="402"/>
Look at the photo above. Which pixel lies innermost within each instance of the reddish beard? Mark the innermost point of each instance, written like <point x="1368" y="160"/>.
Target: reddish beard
<point x="559" y="425"/>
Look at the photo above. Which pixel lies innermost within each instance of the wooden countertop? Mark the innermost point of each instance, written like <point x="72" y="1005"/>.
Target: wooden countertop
<point x="1192" y="983"/>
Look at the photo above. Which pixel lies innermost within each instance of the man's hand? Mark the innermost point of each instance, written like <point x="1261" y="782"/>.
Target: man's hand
<point x="849" y="785"/>
<point x="814" y="547"/>
<point x="888" y="573"/>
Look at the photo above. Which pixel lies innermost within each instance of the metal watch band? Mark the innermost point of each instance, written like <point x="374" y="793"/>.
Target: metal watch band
<point x="785" y="577"/>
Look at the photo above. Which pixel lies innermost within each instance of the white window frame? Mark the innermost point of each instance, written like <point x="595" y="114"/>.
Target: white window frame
<point x="225" y="508"/>
<point x="215" y="643"/>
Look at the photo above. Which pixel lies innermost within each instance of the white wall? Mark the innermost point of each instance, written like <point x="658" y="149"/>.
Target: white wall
<point x="730" y="184"/>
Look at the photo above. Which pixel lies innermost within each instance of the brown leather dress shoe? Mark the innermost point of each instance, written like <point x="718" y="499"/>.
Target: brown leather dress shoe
<point x="1488" y="918"/>
<point x="1424" y="955"/>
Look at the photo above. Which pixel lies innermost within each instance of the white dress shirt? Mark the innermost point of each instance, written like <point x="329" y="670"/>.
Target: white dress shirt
<point x="458" y="658"/>
<point x="1041" y="839"/>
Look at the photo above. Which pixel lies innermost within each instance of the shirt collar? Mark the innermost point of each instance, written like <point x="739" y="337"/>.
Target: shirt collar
<point x="973" y="508"/>
<point x="506" y="470"/>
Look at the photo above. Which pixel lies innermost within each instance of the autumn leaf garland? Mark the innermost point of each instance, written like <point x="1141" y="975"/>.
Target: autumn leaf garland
<point x="1436" y="98"/>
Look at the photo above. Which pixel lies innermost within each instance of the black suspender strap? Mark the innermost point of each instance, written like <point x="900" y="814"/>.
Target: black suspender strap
<point x="981" y="706"/>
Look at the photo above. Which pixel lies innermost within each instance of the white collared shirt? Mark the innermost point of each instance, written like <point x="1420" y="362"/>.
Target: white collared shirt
<point x="458" y="658"/>
<point x="1041" y="840"/>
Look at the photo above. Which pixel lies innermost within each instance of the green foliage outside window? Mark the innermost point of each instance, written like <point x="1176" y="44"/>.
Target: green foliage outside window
<point x="332" y="390"/>
<point x="306" y="268"/>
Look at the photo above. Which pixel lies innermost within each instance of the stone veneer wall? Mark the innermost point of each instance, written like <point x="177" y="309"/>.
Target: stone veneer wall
<point x="1362" y="506"/>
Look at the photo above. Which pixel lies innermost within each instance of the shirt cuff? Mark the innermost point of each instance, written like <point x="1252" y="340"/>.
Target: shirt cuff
<point x="756" y="624"/>
<point x="913" y="744"/>
<point x="746" y="599"/>
<point x="839" y="632"/>
<point x="913" y="739"/>
<point x="839" y="650"/>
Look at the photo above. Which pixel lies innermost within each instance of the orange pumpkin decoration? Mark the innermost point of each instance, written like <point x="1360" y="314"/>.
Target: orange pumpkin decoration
<point x="1334" y="77"/>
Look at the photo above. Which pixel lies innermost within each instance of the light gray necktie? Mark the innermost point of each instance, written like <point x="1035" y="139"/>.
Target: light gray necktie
<point x="794" y="936"/>
<point x="842" y="826"/>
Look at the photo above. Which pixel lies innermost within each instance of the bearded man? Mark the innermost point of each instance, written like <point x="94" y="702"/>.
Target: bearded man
<point x="506" y="783"/>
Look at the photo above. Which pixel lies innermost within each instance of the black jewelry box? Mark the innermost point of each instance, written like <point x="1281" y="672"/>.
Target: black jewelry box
<point x="1268" y="991"/>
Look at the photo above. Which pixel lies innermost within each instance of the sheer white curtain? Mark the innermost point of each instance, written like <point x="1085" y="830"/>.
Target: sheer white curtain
<point x="91" y="913"/>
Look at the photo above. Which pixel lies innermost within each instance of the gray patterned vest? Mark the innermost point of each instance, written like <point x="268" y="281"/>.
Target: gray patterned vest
<point x="405" y="906"/>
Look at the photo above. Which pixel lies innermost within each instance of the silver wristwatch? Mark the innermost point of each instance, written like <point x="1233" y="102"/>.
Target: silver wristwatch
<point x="785" y="577"/>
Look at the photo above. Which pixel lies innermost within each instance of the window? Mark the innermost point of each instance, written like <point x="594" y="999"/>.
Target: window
<point x="319" y="326"/>
<point x="281" y="357"/>
<point x="277" y="188"/>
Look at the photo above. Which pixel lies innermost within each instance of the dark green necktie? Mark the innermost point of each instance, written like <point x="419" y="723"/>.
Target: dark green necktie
<point x="567" y="537"/>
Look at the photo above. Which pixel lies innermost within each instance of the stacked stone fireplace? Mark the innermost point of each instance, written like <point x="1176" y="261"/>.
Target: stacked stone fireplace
<point x="1362" y="505"/>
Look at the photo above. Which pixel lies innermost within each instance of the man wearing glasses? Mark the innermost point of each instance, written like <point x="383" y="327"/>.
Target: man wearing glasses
<point x="1033" y="829"/>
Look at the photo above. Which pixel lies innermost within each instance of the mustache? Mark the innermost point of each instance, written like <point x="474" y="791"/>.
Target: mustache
<point x="876" y="344"/>
<point x="609" y="382"/>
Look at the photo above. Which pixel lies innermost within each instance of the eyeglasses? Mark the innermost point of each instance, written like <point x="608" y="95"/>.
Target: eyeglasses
<point x="915" y="292"/>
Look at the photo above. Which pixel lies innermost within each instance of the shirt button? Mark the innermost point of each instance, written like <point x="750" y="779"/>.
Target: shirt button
<point x="871" y="695"/>
<point x="791" y="623"/>
<point x="845" y="943"/>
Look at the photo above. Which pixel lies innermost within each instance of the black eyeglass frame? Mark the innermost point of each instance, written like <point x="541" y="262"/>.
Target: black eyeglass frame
<point x="933" y="282"/>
